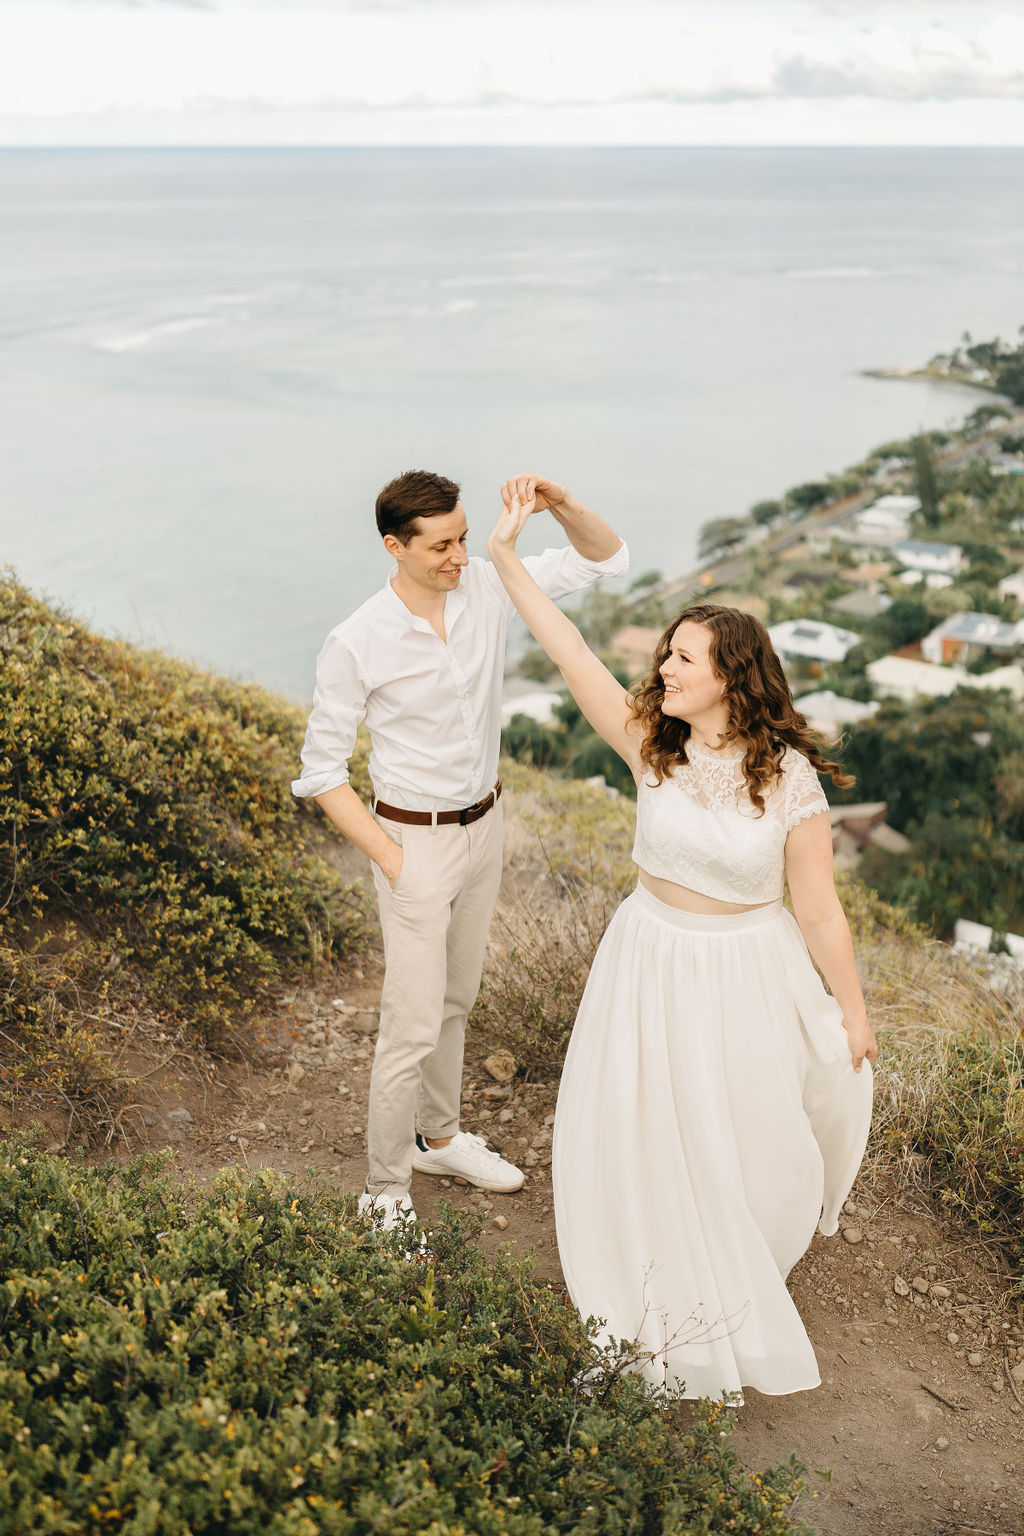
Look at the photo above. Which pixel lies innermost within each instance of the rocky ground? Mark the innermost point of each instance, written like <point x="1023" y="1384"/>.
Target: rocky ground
<point x="917" y="1427"/>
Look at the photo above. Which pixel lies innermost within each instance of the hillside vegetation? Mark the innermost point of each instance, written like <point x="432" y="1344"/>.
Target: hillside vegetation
<point x="151" y="847"/>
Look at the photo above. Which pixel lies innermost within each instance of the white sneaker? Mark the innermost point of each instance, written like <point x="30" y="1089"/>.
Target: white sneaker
<point x="469" y="1157"/>
<point x="388" y="1212"/>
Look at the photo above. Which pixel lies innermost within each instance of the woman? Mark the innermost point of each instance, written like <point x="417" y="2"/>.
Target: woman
<point x="714" y="1104"/>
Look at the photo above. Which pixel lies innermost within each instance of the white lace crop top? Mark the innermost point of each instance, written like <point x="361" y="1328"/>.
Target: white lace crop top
<point x="699" y="828"/>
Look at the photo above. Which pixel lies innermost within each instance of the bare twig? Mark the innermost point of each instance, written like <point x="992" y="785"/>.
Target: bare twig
<point x="1013" y="1385"/>
<point x="956" y="1407"/>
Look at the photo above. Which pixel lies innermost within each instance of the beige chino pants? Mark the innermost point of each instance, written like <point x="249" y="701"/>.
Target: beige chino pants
<point x="435" y="925"/>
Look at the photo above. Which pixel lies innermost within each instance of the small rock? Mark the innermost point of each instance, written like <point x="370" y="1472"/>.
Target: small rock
<point x="180" y="1116"/>
<point x="348" y="1010"/>
<point x="549" y="1119"/>
<point x="295" y="1073"/>
<point x="506" y="1116"/>
<point x="952" y="1338"/>
<point x="532" y="1158"/>
<point x="149" y="1120"/>
<point x="941" y="1291"/>
<point x="1018" y="1374"/>
<point x="501" y="1222"/>
<point x="853" y="1234"/>
<point x="307" y="1108"/>
<point x="942" y="1444"/>
<point x="460" y="1181"/>
<point x="974" y="1358"/>
<point x="232" y="1136"/>
<point x="998" y="1384"/>
<point x="495" y="1091"/>
<point x="502" y="1066"/>
<point x="921" y="1285"/>
<point x="365" y="1023"/>
<point x="900" y="1286"/>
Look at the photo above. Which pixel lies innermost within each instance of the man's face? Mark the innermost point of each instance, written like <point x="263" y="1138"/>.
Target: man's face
<point x="434" y="557"/>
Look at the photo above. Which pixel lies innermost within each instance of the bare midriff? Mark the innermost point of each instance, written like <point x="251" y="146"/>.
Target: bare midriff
<point x="681" y="896"/>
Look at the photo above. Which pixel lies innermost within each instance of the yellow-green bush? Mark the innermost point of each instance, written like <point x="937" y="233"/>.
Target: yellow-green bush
<point x="256" y="1359"/>
<point x="150" y="802"/>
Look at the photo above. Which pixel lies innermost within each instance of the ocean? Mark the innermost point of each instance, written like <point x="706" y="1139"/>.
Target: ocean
<point x="211" y="360"/>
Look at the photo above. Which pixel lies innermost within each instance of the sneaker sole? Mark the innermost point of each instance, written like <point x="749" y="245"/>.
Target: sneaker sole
<point x="448" y="1173"/>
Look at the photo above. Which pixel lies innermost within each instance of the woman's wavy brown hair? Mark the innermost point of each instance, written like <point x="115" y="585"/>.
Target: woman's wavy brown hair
<point x="762" y="715"/>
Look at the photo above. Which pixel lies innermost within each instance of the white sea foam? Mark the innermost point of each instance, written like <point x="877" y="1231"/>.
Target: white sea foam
<point x="132" y="341"/>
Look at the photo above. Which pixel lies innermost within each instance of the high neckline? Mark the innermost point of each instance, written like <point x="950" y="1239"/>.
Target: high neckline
<point x="728" y="754"/>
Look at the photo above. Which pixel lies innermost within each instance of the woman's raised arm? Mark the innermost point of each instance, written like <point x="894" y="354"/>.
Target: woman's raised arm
<point x="600" y="696"/>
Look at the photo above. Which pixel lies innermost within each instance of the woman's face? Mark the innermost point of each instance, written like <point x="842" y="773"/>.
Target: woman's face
<point x="692" y="690"/>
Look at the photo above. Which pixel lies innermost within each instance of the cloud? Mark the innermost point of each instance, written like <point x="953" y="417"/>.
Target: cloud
<point x="79" y="59"/>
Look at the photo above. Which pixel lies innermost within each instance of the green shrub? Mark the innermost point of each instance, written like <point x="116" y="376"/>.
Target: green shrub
<point x="151" y="802"/>
<point x="255" y="1359"/>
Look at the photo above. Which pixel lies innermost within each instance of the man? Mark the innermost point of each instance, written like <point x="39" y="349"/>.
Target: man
<point x="422" y="662"/>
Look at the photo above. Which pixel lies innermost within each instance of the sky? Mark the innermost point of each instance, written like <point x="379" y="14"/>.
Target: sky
<point x="511" y="72"/>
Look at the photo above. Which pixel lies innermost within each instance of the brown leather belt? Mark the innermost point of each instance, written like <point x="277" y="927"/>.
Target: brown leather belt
<point x="440" y="818"/>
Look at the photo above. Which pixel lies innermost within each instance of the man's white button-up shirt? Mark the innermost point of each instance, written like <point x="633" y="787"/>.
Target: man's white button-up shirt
<point x="432" y="706"/>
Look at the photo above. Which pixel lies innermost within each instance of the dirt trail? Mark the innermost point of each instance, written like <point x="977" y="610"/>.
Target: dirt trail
<point x="919" y="1440"/>
<point x="919" y="1418"/>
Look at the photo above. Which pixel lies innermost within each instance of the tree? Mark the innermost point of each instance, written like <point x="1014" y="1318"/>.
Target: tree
<point x="926" y="480"/>
<point x="813" y="493"/>
<point x="937" y="758"/>
<point x="765" y="512"/>
<point x="955" y="867"/>
<point x="1010" y="379"/>
<point x="721" y="534"/>
<point x="903" y="622"/>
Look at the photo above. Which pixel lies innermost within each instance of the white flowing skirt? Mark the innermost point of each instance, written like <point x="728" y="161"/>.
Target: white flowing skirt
<point x="709" y="1118"/>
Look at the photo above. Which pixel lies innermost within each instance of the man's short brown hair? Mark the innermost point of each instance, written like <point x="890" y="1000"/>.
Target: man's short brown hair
<point x="416" y="493"/>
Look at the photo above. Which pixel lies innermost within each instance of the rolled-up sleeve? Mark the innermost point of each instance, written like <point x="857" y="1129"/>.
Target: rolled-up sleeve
<point x="339" y="705"/>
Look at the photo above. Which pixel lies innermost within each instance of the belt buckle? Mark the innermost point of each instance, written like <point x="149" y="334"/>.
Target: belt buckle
<point x="469" y="810"/>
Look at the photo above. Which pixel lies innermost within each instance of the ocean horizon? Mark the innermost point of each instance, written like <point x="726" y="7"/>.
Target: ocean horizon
<point x="212" y="359"/>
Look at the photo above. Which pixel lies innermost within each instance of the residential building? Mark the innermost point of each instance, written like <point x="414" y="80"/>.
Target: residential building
<point x="901" y="677"/>
<point x="1007" y="464"/>
<point x="881" y="525"/>
<point x="1013" y="587"/>
<point x="923" y="555"/>
<point x="828" y="712"/>
<point x="864" y="604"/>
<point x="811" y="640"/>
<point x="856" y="827"/>
<point x="964" y="636"/>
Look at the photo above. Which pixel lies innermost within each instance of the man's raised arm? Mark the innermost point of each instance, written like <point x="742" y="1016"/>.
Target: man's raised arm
<point x="588" y="534"/>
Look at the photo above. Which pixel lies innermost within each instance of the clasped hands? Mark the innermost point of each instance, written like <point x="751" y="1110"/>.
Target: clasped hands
<point x="523" y="495"/>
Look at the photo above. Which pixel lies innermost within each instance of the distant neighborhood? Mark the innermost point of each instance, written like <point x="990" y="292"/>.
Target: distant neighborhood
<point x="897" y="582"/>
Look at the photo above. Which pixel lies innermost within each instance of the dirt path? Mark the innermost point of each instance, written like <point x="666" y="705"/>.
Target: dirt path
<point x="917" y="1417"/>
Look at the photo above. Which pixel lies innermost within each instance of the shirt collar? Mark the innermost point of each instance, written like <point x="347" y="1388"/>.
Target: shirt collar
<point x="454" y="605"/>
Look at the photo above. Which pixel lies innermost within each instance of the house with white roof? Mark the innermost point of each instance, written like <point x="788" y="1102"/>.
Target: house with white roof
<point x="828" y="712"/>
<point x="966" y="635"/>
<point x="1007" y="464"/>
<point x="901" y="677"/>
<point x="1012" y="587"/>
<point x="927" y="556"/>
<point x="811" y="640"/>
<point x="880" y="525"/>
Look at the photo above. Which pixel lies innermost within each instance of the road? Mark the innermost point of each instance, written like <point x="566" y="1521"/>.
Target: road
<point x="723" y="572"/>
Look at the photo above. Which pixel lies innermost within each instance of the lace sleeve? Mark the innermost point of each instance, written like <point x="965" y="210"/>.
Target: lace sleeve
<point x="804" y="794"/>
